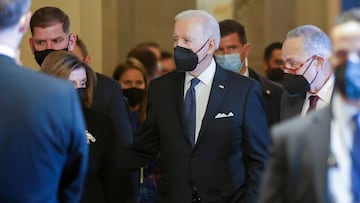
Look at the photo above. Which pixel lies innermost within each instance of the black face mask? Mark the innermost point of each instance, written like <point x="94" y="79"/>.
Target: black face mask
<point x="295" y="84"/>
<point x="134" y="95"/>
<point x="186" y="59"/>
<point x="41" y="55"/>
<point x="275" y="74"/>
<point x="82" y="92"/>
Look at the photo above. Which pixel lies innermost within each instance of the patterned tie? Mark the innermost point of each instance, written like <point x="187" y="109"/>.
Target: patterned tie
<point x="355" y="162"/>
<point x="313" y="100"/>
<point x="190" y="110"/>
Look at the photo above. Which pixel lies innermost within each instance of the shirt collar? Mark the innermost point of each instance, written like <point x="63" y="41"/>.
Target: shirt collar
<point x="325" y="92"/>
<point x="7" y="51"/>
<point x="205" y="77"/>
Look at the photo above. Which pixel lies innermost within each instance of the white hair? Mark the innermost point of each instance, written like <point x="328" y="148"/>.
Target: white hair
<point x="315" y="40"/>
<point x="210" y="25"/>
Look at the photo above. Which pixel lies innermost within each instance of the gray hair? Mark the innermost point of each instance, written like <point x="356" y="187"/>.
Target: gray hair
<point x="210" y="25"/>
<point x="11" y="12"/>
<point x="315" y="40"/>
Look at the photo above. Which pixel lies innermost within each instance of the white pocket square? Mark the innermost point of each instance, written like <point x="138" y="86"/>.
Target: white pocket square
<point x="224" y="115"/>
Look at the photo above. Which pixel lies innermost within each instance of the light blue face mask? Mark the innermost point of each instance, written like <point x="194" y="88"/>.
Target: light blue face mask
<point x="230" y="61"/>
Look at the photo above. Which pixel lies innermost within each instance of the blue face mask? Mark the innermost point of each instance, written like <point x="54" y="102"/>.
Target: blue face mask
<point x="352" y="82"/>
<point x="230" y="61"/>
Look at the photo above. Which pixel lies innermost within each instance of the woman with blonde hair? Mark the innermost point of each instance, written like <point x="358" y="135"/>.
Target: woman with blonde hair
<point x="101" y="181"/>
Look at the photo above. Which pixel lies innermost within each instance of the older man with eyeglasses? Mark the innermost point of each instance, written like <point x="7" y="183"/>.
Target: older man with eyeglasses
<point x="308" y="78"/>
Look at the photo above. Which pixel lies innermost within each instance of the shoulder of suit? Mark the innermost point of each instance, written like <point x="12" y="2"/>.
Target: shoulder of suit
<point x="268" y="87"/>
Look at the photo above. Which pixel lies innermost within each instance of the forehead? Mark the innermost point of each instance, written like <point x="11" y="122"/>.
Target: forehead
<point x="346" y="36"/>
<point x="293" y="48"/>
<point x="77" y="74"/>
<point x="230" y="40"/>
<point x="132" y="74"/>
<point x="189" y="28"/>
<point x="50" y="32"/>
<point x="276" y="54"/>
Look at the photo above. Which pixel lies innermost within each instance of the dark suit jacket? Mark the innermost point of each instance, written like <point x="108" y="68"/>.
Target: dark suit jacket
<point x="271" y="92"/>
<point x="101" y="183"/>
<point x="43" y="153"/>
<point x="297" y="169"/>
<point x="215" y="166"/>
<point x="108" y="98"/>
<point x="291" y="105"/>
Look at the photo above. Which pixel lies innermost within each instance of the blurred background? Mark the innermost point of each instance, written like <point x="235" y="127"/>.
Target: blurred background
<point x="110" y="28"/>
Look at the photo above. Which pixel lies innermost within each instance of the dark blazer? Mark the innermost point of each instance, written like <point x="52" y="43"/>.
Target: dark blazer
<point x="215" y="166"/>
<point x="271" y="92"/>
<point x="298" y="165"/>
<point x="291" y="105"/>
<point x="108" y="98"/>
<point x="43" y="152"/>
<point x="101" y="183"/>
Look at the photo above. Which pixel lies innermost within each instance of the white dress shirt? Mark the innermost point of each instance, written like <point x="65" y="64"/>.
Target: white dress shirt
<point x="342" y="131"/>
<point x="7" y="51"/>
<point x="202" y="92"/>
<point x="324" y="95"/>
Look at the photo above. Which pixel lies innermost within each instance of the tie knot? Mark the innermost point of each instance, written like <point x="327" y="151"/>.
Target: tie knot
<point x="313" y="99"/>
<point x="194" y="82"/>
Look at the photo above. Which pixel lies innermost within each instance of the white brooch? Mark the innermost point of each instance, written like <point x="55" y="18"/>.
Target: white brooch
<point x="89" y="137"/>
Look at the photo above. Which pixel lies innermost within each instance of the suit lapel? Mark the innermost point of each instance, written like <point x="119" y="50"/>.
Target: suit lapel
<point x="217" y="93"/>
<point x="178" y="96"/>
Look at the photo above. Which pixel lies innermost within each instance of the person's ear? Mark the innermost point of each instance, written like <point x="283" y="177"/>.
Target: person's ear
<point x="87" y="60"/>
<point x="247" y="49"/>
<point x="72" y="41"/>
<point x="211" y="47"/>
<point x="31" y="44"/>
<point x="319" y="62"/>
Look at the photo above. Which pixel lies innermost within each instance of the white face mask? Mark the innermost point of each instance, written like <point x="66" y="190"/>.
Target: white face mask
<point x="230" y="61"/>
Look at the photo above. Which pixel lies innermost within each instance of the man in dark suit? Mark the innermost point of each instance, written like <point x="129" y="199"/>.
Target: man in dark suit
<point x="42" y="144"/>
<point x="50" y="29"/>
<point x="203" y="160"/>
<point x="313" y="158"/>
<point x="232" y="55"/>
<point x="308" y="78"/>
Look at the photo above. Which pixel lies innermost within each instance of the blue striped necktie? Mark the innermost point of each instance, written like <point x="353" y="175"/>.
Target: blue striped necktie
<point x="190" y="110"/>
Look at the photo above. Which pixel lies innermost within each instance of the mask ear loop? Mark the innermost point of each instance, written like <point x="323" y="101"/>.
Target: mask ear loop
<point x="200" y="50"/>
<point x="317" y="72"/>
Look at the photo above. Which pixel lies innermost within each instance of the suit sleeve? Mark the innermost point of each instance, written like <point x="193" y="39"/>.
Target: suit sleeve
<point x="75" y="168"/>
<point x="119" y="112"/>
<point x="273" y="189"/>
<point x="109" y="173"/>
<point x="256" y="141"/>
<point x="146" y="145"/>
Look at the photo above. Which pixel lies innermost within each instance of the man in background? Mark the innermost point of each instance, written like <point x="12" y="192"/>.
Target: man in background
<point x="232" y="55"/>
<point x="308" y="77"/>
<point x="43" y="142"/>
<point x="50" y="29"/>
<point x="273" y="63"/>
<point x="167" y="63"/>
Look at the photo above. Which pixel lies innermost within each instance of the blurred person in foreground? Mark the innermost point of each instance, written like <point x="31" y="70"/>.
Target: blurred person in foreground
<point x="42" y="144"/>
<point x="316" y="158"/>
